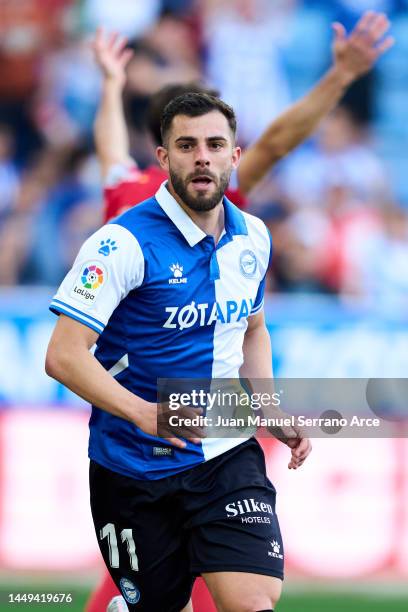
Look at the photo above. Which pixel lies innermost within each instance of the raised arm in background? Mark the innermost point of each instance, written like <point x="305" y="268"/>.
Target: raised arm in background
<point x="353" y="56"/>
<point x="110" y="130"/>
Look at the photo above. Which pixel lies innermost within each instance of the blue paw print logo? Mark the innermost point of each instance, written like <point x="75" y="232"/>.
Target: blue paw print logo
<point x="107" y="246"/>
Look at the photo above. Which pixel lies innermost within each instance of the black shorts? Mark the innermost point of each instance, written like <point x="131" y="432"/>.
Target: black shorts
<point x="157" y="536"/>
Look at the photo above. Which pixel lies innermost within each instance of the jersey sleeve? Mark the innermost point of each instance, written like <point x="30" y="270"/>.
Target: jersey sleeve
<point x="259" y="300"/>
<point x="109" y="265"/>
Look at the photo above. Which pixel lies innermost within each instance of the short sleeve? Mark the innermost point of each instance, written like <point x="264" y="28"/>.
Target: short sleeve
<point x="109" y="265"/>
<point x="259" y="300"/>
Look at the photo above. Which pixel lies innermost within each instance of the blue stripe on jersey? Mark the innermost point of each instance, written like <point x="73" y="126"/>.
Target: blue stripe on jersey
<point x="58" y="307"/>
<point x="259" y="300"/>
<point x="258" y="308"/>
<point x="56" y="302"/>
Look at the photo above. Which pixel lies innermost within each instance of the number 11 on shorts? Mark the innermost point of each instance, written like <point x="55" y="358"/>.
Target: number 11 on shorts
<point x="126" y="535"/>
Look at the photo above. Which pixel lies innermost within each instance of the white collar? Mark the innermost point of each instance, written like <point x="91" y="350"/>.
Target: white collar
<point x="191" y="232"/>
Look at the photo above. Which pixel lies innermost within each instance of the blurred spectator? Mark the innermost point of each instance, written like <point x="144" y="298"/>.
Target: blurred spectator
<point x="129" y="17"/>
<point x="347" y="11"/>
<point x="178" y="7"/>
<point x="351" y="225"/>
<point x="341" y="156"/>
<point x="9" y="179"/>
<point x="363" y="252"/>
<point x="383" y="268"/>
<point x="67" y="93"/>
<point x="51" y="189"/>
<point x="28" y="28"/>
<point x="297" y="238"/>
<point x="243" y="61"/>
<point x="17" y="228"/>
<point x="78" y="224"/>
<point x="168" y="53"/>
<point x="70" y="210"/>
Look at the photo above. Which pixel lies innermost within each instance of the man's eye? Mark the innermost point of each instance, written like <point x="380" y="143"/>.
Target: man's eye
<point x="185" y="147"/>
<point x="216" y="145"/>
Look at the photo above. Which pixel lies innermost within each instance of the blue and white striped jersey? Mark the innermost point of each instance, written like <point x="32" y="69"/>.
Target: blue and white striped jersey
<point x="168" y="303"/>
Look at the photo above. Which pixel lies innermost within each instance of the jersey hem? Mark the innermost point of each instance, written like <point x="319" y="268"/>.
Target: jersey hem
<point x="130" y="474"/>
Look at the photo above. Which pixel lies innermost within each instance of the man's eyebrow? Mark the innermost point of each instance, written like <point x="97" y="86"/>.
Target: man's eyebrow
<point x="186" y="138"/>
<point x="192" y="139"/>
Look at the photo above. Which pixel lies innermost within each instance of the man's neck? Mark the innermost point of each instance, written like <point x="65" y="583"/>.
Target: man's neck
<point x="212" y="222"/>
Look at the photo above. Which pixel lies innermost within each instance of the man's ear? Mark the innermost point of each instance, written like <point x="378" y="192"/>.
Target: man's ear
<point x="163" y="158"/>
<point x="236" y="157"/>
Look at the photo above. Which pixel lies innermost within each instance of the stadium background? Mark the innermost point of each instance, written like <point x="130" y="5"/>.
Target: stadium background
<point x="338" y="290"/>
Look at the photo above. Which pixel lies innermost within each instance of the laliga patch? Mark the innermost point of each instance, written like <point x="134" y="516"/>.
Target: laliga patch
<point x="129" y="591"/>
<point x="90" y="280"/>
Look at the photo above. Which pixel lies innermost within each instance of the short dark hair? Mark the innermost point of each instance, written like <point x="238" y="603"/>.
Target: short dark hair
<point x="195" y="105"/>
<point x="161" y="98"/>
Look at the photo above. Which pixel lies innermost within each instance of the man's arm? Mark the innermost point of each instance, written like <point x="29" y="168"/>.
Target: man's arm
<point x="258" y="365"/>
<point x="257" y="349"/>
<point x="110" y="131"/>
<point x="69" y="361"/>
<point x="354" y="56"/>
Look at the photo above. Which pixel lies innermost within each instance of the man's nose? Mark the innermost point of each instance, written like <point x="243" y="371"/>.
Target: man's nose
<point x="202" y="158"/>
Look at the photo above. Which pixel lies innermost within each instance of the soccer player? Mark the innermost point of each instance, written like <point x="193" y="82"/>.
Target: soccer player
<point x="125" y="184"/>
<point x="166" y="510"/>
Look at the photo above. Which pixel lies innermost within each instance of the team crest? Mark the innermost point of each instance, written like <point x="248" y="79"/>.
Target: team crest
<point x="129" y="591"/>
<point x="248" y="263"/>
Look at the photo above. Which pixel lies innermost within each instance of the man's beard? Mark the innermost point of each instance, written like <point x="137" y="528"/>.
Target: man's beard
<point x="200" y="203"/>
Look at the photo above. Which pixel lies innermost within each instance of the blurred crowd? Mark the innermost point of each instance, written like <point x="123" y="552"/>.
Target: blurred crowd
<point x="337" y="206"/>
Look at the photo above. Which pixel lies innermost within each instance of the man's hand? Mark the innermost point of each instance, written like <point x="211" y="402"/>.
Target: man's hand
<point x="112" y="55"/>
<point x="355" y="55"/>
<point x="296" y="440"/>
<point x="301" y="449"/>
<point x="154" y="418"/>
